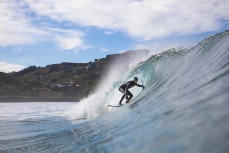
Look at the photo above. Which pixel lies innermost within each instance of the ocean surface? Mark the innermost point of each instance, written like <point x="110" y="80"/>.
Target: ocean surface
<point x="183" y="109"/>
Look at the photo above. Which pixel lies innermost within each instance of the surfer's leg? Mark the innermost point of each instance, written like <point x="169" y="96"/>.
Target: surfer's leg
<point x="130" y="95"/>
<point x="122" y="91"/>
<point x="120" y="102"/>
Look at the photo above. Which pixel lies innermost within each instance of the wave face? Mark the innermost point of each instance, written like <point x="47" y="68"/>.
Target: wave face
<point x="184" y="108"/>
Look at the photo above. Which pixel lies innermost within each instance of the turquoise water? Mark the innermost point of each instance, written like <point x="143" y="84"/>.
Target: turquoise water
<point x="184" y="108"/>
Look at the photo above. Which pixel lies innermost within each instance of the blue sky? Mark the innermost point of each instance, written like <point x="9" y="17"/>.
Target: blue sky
<point x="53" y="31"/>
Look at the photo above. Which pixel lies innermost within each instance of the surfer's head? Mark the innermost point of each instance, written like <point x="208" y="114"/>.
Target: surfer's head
<point x="135" y="79"/>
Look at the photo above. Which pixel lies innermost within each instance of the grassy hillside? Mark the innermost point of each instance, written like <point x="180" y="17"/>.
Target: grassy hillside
<point x="57" y="82"/>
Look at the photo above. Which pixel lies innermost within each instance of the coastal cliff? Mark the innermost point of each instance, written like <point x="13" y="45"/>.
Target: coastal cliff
<point x="58" y="82"/>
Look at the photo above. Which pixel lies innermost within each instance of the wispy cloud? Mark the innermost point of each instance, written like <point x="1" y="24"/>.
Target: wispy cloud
<point x="67" y="39"/>
<point x="103" y="49"/>
<point x="17" y="28"/>
<point x="146" y="19"/>
<point x="69" y="43"/>
<point x="109" y="32"/>
<point x="143" y="20"/>
<point x="10" y="67"/>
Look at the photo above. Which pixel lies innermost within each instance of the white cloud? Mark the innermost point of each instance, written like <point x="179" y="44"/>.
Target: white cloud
<point x="68" y="39"/>
<point x="14" y="28"/>
<point x="69" y="43"/>
<point x="103" y="49"/>
<point x="146" y="19"/>
<point x="17" y="29"/>
<point x="9" y="67"/>
<point x="109" y="32"/>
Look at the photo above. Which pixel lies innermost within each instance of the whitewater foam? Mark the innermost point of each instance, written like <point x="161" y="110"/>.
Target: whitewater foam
<point x="107" y="90"/>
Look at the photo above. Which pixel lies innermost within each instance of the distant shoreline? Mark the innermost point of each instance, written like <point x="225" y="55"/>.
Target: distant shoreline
<point x="25" y="100"/>
<point x="64" y="82"/>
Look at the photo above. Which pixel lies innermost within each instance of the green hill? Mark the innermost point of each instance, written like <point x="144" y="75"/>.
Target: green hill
<point x="57" y="82"/>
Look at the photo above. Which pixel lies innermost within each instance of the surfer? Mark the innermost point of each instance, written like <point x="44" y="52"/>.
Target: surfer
<point x="124" y="89"/>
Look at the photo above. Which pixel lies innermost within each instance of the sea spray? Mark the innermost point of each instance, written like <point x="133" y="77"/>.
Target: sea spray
<point x="107" y="90"/>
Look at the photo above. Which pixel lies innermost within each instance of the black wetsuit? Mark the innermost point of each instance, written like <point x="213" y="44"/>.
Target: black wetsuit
<point x="124" y="89"/>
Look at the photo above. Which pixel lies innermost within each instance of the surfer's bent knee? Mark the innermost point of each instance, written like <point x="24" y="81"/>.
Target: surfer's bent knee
<point x="121" y="90"/>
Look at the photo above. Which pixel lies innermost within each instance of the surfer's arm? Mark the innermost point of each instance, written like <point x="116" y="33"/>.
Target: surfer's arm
<point x="140" y="86"/>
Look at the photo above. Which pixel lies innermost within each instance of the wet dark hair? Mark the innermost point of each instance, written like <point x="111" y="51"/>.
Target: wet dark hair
<point x="135" y="78"/>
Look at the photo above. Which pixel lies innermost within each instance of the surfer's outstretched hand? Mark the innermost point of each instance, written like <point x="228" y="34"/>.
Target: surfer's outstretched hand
<point x="143" y="87"/>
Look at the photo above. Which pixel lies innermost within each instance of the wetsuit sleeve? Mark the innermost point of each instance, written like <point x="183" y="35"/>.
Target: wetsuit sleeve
<point x="139" y="85"/>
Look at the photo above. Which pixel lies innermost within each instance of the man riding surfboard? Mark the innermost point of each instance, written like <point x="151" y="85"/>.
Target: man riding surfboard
<point x="124" y="89"/>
